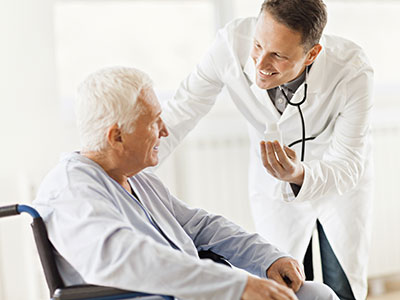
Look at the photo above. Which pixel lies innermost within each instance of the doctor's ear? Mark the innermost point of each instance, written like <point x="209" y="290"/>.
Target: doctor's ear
<point x="313" y="54"/>
<point x="114" y="136"/>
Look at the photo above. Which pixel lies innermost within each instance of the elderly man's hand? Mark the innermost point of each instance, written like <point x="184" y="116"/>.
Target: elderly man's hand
<point x="287" y="271"/>
<point x="265" y="289"/>
<point x="282" y="163"/>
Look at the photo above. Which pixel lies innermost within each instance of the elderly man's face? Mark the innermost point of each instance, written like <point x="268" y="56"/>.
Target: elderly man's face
<point x="277" y="53"/>
<point x="141" y="146"/>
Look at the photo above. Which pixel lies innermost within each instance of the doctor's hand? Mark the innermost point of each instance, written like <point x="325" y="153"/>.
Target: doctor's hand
<point x="265" y="289"/>
<point x="287" y="271"/>
<point x="282" y="163"/>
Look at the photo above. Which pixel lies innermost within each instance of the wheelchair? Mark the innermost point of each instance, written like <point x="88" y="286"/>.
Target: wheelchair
<point x="57" y="289"/>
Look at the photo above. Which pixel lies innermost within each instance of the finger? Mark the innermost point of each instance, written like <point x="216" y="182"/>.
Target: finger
<point x="301" y="270"/>
<point x="297" y="282"/>
<point x="290" y="153"/>
<point x="294" y="278"/>
<point x="282" y="156"/>
<point x="276" y="291"/>
<point x="279" y="292"/>
<point x="263" y="151"/>
<point x="301" y="278"/>
<point x="285" y="293"/>
<point x="279" y="279"/>
<point x="272" y="160"/>
<point x="264" y="158"/>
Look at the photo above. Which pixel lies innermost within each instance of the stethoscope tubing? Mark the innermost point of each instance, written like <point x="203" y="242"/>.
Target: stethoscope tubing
<point x="303" y="125"/>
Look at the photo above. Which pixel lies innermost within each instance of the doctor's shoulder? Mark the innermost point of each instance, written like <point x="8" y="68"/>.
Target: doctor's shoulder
<point x="345" y="52"/>
<point x="232" y="45"/>
<point x="240" y="29"/>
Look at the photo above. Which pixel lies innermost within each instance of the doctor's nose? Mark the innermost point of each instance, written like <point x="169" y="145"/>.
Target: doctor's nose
<point x="262" y="61"/>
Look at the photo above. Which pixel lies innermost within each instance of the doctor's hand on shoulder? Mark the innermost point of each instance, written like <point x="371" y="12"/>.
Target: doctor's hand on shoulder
<point x="282" y="162"/>
<point x="286" y="276"/>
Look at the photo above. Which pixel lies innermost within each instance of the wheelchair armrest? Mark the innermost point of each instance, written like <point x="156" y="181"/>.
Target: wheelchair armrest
<point x="86" y="292"/>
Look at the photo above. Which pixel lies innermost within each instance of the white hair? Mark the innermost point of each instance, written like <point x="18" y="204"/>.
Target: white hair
<point x="105" y="98"/>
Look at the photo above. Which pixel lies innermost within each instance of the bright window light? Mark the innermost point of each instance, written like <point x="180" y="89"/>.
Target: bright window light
<point x="163" y="38"/>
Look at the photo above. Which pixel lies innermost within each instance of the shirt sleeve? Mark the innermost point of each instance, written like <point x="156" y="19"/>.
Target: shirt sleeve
<point x="213" y="232"/>
<point x="194" y="98"/>
<point x="91" y="234"/>
<point x="342" y="165"/>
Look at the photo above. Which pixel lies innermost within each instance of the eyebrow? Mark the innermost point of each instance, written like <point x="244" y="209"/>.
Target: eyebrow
<point x="157" y="115"/>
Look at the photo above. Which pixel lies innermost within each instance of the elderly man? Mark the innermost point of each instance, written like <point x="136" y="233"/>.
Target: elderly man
<point x="114" y="224"/>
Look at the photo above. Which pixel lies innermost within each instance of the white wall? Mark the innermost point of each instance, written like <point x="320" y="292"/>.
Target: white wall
<point x="28" y="127"/>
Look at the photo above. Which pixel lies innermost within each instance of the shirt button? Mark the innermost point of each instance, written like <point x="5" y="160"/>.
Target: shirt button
<point x="280" y="100"/>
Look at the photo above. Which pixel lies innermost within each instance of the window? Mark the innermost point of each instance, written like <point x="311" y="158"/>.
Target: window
<point x="163" y="38"/>
<point x="371" y="24"/>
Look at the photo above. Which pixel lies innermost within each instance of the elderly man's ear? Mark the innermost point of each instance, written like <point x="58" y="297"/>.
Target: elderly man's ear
<point x="114" y="137"/>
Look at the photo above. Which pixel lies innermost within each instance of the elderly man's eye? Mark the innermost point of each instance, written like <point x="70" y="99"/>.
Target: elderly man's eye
<point x="256" y="45"/>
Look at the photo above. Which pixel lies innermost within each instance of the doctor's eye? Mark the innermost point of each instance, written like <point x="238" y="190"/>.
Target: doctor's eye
<point x="278" y="56"/>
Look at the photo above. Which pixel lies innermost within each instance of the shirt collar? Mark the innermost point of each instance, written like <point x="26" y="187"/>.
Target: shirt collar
<point x="293" y="85"/>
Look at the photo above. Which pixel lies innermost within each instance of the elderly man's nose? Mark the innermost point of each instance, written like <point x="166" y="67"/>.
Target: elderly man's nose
<point x="164" y="130"/>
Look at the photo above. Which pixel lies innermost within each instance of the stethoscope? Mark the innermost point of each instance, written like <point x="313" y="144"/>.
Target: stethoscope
<point x="303" y="125"/>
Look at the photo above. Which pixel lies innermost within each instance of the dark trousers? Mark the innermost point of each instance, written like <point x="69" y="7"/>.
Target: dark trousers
<point x="332" y="273"/>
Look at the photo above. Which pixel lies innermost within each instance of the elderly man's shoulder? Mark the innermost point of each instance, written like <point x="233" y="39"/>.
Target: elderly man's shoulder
<point x="148" y="177"/>
<point x="72" y="170"/>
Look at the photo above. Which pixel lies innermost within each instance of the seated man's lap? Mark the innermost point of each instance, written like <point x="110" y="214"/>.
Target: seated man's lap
<point x="311" y="290"/>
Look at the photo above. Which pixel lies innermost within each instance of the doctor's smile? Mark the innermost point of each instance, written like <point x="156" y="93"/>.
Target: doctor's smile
<point x="264" y="74"/>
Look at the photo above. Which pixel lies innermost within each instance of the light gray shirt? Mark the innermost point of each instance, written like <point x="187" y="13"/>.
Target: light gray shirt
<point x="104" y="236"/>
<point x="278" y="99"/>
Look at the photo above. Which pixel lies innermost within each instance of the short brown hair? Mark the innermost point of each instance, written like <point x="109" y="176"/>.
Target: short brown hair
<point x="308" y="17"/>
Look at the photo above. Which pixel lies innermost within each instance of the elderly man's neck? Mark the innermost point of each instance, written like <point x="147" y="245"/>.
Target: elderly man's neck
<point x="113" y="166"/>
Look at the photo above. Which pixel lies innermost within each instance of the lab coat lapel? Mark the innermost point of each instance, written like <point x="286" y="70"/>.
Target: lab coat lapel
<point x="261" y="94"/>
<point x="291" y="110"/>
<point x="315" y="81"/>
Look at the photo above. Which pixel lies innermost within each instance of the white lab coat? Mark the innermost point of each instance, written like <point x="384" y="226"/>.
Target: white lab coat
<point x="337" y="187"/>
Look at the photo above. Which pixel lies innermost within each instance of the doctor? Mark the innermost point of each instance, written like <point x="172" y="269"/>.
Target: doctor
<point x="263" y="63"/>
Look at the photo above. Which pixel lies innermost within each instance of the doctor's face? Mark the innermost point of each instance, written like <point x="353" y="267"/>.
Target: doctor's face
<point x="141" y="145"/>
<point x="278" y="53"/>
